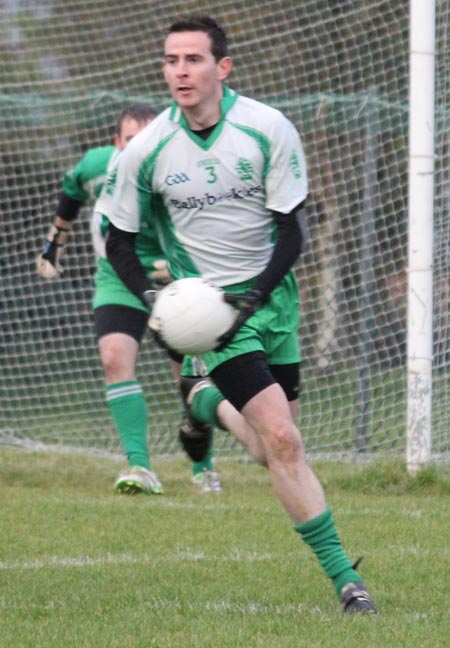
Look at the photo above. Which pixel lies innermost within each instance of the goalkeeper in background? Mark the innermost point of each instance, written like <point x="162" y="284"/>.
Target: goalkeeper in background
<point x="120" y="318"/>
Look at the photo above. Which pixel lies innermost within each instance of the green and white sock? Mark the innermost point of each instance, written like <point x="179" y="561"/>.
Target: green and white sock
<point x="129" y="411"/>
<point x="204" y="405"/>
<point x="321" y="535"/>
<point x="204" y="410"/>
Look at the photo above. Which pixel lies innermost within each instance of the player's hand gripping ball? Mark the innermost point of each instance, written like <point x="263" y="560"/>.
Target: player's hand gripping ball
<point x="189" y="315"/>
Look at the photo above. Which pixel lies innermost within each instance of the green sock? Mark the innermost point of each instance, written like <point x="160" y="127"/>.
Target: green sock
<point x="321" y="535"/>
<point x="204" y="405"/>
<point x="129" y="411"/>
<point x="207" y="463"/>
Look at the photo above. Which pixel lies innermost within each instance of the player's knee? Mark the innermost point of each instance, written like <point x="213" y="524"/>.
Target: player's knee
<point x="285" y="443"/>
<point x="117" y="366"/>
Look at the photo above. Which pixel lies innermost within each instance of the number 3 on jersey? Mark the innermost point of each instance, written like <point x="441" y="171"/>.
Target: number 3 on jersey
<point x="212" y="174"/>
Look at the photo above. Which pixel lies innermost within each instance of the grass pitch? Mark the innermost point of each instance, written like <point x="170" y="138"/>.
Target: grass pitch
<point x="82" y="567"/>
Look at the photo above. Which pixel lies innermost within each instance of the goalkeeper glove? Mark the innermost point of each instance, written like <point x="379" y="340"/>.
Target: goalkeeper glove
<point x="246" y="304"/>
<point x="47" y="263"/>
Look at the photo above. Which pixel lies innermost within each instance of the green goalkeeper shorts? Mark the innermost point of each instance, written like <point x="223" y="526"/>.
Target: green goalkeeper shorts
<point x="109" y="289"/>
<point x="273" y="329"/>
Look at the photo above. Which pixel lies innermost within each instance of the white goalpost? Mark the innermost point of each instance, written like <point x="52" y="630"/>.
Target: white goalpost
<point x="367" y="84"/>
<point x="420" y="233"/>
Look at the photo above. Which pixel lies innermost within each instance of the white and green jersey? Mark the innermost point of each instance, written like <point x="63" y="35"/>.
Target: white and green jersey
<point x="102" y="204"/>
<point x="147" y="244"/>
<point x="211" y="200"/>
<point x="99" y="221"/>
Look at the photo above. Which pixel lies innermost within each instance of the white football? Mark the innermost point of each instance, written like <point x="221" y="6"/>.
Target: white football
<point x="190" y="314"/>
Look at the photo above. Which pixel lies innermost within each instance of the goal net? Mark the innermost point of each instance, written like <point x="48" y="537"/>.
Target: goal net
<point x="339" y="71"/>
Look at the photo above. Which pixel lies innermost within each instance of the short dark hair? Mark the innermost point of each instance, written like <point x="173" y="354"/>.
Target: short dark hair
<point x="140" y="112"/>
<point x="219" y="45"/>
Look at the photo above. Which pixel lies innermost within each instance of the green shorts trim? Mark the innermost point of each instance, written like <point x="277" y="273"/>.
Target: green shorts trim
<point x="273" y="329"/>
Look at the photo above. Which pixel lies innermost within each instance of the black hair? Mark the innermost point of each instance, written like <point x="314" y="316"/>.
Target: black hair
<point x="219" y="45"/>
<point x="139" y="112"/>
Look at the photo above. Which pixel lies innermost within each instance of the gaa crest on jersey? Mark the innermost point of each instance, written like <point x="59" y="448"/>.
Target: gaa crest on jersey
<point x="244" y="169"/>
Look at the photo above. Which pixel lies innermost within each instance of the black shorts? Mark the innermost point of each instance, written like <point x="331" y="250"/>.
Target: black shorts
<point x="113" y="318"/>
<point x="120" y="319"/>
<point x="244" y="376"/>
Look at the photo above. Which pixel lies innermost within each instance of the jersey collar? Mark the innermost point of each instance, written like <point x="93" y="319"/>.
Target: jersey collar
<point x="227" y="101"/>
